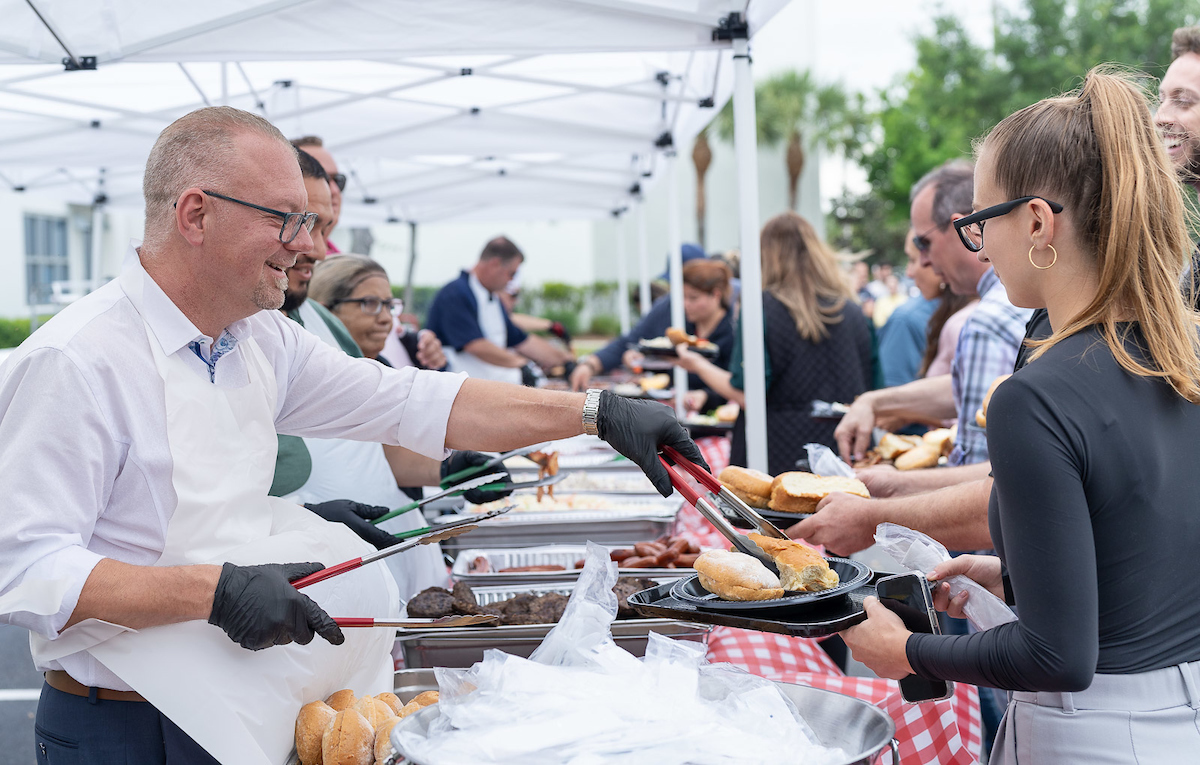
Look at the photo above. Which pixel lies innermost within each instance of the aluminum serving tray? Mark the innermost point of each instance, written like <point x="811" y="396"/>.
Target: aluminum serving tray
<point x="577" y="527"/>
<point x="562" y="555"/>
<point x="463" y="646"/>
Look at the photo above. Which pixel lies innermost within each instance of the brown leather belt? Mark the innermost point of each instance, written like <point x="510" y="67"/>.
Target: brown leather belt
<point x="61" y="681"/>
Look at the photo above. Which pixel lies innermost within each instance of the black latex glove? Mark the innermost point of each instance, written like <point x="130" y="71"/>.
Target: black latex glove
<point x="465" y="459"/>
<point x="357" y="517"/>
<point x="637" y="428"/>
<point x="559" y="331"/>
<point x="529" y="377"/>
<point x="258" y="607"/>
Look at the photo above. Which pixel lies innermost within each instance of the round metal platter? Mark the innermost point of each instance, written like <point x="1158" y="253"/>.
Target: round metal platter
<point x="851" y="573"/>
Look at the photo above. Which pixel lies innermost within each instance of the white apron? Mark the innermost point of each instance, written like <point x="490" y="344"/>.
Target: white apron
<point x="241" y="705"/>
<point x="490" y="314"/>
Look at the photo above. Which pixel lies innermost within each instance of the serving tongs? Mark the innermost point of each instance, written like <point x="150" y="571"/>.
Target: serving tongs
<point x="731" y="500"/>
<point x="451" y="525"/>
<point x="482" y="480"/>
<point x="468" y="472"/>
<point x="463" y="620"/>
<point x="428" y="537"/>
<point x="549" y="480"/>
<point x="714" y="516"/>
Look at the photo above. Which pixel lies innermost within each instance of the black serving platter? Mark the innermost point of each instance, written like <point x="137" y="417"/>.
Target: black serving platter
<point x="707" y="351"/>
<point x="851" y="573"/>
<point x="819" y="619"/>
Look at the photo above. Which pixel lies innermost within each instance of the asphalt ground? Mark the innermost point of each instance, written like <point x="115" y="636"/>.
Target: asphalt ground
<point x="17" y="678"/>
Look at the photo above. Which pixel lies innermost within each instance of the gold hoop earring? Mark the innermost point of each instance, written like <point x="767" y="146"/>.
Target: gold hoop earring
<point x="1052" y="262"/>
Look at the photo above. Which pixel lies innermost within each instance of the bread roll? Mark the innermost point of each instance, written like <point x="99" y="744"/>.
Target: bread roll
<point x="343" y="699"/>
<point x="736" y="576"/>
<point x="760" y="501"/>
<point x="727" y="412"/>
<point x="801" y="569"/>
<point x="655" y="382"/>
<point x="427" y="698"/>
<point x="374" y="710"/>
<point x="392" y="700"/>
<point x="923" y="456"/>
<point x="893" y="445"/>
<point x="746" y="480"/>
<point x="349" y="740"/>
<point x="383" y="740"/>
<point x="314" y="717"/>
<point x="981" y="415"/>
<point x="409" y="709"/>
<point x="677" y="336"/>
<point x="942" y="438"/>
<point x="799" y="492"/>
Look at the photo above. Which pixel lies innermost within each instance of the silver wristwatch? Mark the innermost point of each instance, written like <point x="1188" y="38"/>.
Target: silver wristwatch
<point x="591" y="409"/>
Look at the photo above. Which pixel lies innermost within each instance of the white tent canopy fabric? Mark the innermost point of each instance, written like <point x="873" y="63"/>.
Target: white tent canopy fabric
<point x="436" y="110"/>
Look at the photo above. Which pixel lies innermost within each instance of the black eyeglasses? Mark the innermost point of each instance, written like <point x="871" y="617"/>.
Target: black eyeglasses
<point x="374" y="305"/>
<point x="921" y="241"/>
<point x="339" y="179"/>
<point x="970" y="228"/>
<point x="291" y="221"/>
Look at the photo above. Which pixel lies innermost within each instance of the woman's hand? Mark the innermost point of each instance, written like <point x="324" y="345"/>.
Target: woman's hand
<point x="687" y="358"/>
<point x="880" y="642"/>
<point x="429" y="350"/>
<point x="983" y="569"/>
<point x="694" y="400"/>
<point x="633" y="359"/>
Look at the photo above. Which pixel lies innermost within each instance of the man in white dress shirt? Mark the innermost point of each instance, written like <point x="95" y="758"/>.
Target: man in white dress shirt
<point x="137" y="431"/>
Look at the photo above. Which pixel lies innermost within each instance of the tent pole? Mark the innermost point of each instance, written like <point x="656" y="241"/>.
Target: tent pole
<point x="643" y="261"/>
<point x="746" y="147"/>
<point x="412" y="265"/>
<point x="224" y="83"/>
<point x="622" y="274"/>
<point x="675" y="258"/>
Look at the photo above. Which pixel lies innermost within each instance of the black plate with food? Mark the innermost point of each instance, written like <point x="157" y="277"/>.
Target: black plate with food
<point x="781" y="520"/>
<point x="851" y="574"/>
<point x="660" y="347"/>
<point x="818" y="619"/>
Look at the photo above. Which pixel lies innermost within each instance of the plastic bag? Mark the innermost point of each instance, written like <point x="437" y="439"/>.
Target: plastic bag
<point x="822" y="461"/>
<point x="918" y="552"/>
<point x="581" y="699"/>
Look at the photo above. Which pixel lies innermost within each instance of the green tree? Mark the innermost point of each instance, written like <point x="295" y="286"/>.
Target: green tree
<point x="791" y="106"/>
<point x="958" y="89"/>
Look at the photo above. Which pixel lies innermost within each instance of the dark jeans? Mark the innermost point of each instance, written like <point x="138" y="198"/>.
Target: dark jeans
<point x="74" y="730"/>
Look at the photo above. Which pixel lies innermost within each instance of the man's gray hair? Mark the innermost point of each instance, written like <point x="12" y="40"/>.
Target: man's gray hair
<point x="954" y="184"/>
<point x="194" y="150"/>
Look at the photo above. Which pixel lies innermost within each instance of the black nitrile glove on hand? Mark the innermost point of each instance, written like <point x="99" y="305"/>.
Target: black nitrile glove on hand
<point x="465" y="459"/>
<point x="357" y="517"/>
<point x="638" y="428"/>
<point x="258" y="607"/>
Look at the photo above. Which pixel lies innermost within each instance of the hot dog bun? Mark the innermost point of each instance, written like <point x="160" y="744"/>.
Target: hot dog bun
<point x="799" y="492"/>
<point x="923" y="456"/>
<point x="746" y="480"/>
<point x="801" y="569"/>
<point x="736" y="576"/>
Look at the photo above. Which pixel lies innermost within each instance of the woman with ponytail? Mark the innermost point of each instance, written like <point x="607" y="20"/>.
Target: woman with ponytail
<point x="1094" y="444"/>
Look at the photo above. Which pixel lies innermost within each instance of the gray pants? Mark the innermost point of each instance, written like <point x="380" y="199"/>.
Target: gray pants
<point x="1151" y="718"/>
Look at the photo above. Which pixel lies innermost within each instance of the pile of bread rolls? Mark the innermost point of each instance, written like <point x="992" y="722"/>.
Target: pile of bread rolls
<point x="344" y="730"/>
<point x="911" y="452"/>
<point x="793" y="492"/>
<point x="741" y="577"/>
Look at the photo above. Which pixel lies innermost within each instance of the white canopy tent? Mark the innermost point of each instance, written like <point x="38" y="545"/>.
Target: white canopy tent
<point x="454" y="109"/>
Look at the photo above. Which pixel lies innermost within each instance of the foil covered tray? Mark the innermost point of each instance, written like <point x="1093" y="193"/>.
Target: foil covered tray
<point x="562" y="555"/>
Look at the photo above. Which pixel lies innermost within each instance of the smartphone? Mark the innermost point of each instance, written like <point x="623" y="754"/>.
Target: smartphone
<point x="909" y="596"/>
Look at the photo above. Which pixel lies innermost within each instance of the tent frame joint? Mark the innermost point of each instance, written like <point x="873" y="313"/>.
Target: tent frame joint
<point x="732" y="27"/>
<point x="80" y="64"/>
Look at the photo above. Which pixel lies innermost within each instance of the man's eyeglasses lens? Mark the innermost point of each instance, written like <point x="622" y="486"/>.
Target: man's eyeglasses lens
<point x="292" y="223"/>
<point x="340" y="180"/>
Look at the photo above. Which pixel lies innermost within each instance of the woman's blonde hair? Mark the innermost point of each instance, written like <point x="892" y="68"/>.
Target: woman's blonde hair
<point x="802" y="272"/>
<point x="1096" y="151"/>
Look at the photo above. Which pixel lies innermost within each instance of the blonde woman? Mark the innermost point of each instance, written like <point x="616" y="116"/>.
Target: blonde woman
<point x="817" y="344"/>
<point x="1094" y="448"/>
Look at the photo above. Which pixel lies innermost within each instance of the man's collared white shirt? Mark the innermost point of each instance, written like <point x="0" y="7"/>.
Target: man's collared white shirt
<point x="85" y="465"/>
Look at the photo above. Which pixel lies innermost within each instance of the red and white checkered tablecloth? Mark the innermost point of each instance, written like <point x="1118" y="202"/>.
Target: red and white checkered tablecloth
<point x="943" y="732"/>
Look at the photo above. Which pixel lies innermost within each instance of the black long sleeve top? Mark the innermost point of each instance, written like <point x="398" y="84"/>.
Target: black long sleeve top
<point x="1094" y="512"/>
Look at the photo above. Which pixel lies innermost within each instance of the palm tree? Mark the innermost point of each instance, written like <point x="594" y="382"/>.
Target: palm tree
<point x="791" y="104"/>
<point x="701" y="158"/>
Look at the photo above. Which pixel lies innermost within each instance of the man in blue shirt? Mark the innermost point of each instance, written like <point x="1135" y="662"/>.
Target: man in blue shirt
<point x="476" y="331"/>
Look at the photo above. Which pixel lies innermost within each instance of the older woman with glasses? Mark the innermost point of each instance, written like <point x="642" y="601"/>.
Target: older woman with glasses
<point x="357" y="290"/>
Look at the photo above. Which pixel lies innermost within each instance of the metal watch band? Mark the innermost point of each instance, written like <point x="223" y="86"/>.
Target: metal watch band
<point x="591" y="409"/>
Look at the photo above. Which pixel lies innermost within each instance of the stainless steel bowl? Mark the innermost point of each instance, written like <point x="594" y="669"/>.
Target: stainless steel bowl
<point x="853" y="725"/>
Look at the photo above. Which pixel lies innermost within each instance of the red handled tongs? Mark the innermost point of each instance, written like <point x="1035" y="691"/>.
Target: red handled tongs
<point x="350" y="565"/>
<point x="714" y="516"/>
<point x="466" y="620"/>
<point x="731" y="500"/>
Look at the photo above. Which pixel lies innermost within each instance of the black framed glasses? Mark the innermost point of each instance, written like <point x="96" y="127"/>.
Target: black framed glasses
<point x="373" y="305"/>
<point x="921" y="241"/>
<point x="291" y="221"/>
<point x="970" y="228"/>
<point x="339" y="179"/>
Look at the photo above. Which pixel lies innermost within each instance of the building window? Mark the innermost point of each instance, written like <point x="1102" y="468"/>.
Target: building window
<point x="45" y="256"/>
